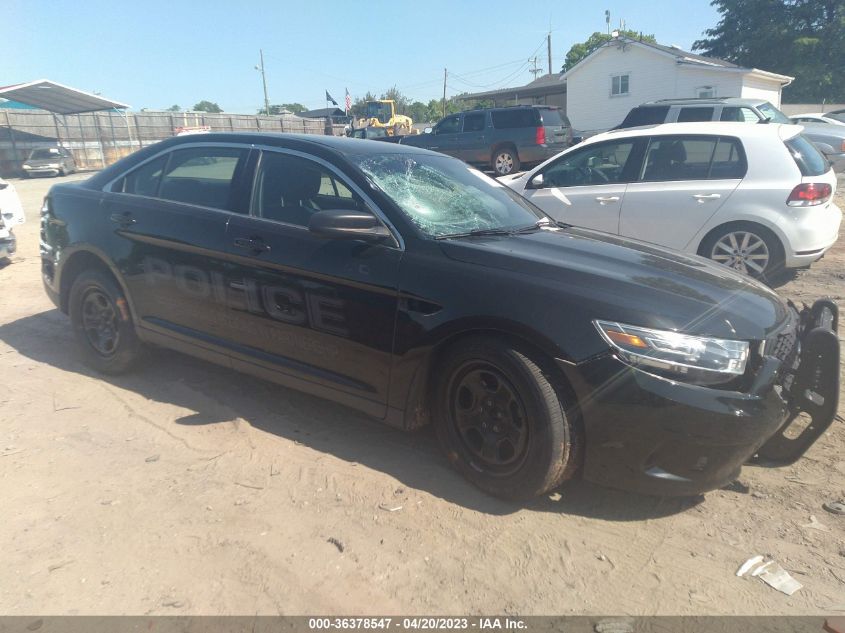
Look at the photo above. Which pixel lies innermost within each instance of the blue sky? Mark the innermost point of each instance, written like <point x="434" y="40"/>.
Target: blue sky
<point x="153" y="54"/>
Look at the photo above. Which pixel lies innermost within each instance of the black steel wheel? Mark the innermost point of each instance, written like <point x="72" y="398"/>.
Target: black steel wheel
<point x="505" y="424"/>
<point x="102" y="324"/>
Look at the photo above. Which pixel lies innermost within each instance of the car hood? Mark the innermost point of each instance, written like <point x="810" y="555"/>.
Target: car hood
<point x="608" y="277"/>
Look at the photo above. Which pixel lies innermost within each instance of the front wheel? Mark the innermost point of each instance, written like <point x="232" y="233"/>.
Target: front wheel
<point x="102" y="324"/>
<point x="504" y="423"/>
<point x="505" y="161"/>
<point x="746" y="247"/>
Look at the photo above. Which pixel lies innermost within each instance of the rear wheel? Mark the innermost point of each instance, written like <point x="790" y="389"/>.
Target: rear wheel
<point x="101" y="323"/>
<point x="749" y="248"/>
<point x="505" y="161"/>
<point x="502" y="422"/>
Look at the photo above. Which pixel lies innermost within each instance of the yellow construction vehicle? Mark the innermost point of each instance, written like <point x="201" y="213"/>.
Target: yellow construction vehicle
<point x="382" y="114"/>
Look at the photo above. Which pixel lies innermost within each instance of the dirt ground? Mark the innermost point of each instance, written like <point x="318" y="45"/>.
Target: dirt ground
<point x="187" y="488"/>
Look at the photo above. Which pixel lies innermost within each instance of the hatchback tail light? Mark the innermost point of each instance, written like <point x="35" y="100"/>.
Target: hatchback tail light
<point x="541" y="135"/>
<point x="810" y="194"/>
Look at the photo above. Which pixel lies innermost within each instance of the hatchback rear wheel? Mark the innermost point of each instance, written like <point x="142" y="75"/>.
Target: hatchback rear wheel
<point x="747" y="248"/>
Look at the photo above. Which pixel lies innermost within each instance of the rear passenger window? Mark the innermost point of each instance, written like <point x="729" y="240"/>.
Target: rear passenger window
<point x="693" y="158"/>
<point x="688" y="115"/>
<point x="648" y="115"/>
<point x="518" y="117"/>
<point x="810" y="161"/>
<point x="202" y="176"/>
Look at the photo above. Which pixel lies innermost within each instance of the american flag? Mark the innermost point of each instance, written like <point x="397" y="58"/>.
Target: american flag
<point x="348" y="101"/>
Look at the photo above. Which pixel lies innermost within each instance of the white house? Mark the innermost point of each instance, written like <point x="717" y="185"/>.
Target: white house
<point x="624" y="73"/>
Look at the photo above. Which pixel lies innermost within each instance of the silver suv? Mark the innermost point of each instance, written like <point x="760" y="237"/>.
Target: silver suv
<point x="709" y="109"/>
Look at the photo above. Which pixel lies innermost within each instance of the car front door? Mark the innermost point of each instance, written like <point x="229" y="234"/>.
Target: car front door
<point x="169" y="217"/>
<point x="585" y="187"/>
<point x="320" y="312"/>
<point x="473" y="144"/>
<point x="683" y="182"/>
<point x="446" y="134"/>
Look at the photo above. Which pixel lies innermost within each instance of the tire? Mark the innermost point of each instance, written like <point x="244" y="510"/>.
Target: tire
<point x="505" y="160"/>
<point x="502" y="422"/>
<point x="102" y="324"/>
<point x="747" y="247"/>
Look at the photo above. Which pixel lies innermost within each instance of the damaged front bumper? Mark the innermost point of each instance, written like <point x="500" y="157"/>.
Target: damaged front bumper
<point x="659" y="436"/>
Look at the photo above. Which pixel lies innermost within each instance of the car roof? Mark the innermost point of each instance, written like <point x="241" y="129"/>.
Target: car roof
<point x="710" y="128"/>
<point x="704" y="101"/>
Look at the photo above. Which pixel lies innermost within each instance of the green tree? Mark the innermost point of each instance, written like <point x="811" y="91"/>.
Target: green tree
<point x="580" y="50"/>
<point x="296" y="108"/>
<point x="801" y="38"/>
<point x="207" y="106"/>
<point x="174" y="108"/>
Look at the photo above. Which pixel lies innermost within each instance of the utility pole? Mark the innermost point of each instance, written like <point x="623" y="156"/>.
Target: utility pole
<point x="444" y="92"/>
<point x="534" y="71"/>
<point x="607" y="20"/>
<point x="264" y="82"/>
<point x="549" y="44"/>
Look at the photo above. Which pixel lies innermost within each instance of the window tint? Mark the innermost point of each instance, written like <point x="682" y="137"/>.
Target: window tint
<point x="144" y="180"/>
<point x="619" y="84"/>
<point x="599" y="164"/>
<point x="202" y="176"/>
<point x="648" y="115"/>
<point x="449" y="125"/>
<point x="810" y="161"/>
<point x="839" y="115"/>
<point x="687" y="115"/>
<point x="693" y="158"/>
<point x="517" y="117"/>
<point x="291" y="189"/>
<point x="474" y="122"/>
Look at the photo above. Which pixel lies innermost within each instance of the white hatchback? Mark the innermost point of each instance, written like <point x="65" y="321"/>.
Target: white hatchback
<point x="758" y="198"/>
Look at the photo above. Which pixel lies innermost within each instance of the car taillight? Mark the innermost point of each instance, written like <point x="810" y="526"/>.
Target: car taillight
<point x="541" y="136"/>
<point x="809" y="194"/>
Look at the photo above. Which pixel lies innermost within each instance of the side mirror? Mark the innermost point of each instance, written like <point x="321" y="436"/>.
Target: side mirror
<point x="577" y="139"/>
<point x="343" y="224"/>
<point x="537" y="182"/>
<point x="428" y="130"/>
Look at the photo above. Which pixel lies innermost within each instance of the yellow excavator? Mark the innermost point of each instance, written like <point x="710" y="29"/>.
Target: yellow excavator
<point x="382" y="114"/>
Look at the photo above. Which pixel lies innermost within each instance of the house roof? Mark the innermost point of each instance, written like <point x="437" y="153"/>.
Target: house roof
<point x="682" y="57"/>
<point x="547" y="84"/>
<point x="54" y="97"/>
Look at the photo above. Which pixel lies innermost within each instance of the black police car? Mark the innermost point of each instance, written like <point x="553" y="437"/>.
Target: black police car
<point x="408" y="285"/>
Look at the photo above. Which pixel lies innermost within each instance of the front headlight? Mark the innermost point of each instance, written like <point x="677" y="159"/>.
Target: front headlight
<point x="698" y="359"/>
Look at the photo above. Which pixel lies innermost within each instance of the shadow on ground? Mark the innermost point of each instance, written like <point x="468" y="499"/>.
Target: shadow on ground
<point x="218" y="394"/>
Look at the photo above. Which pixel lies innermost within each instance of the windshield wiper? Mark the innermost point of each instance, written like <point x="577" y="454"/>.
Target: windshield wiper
<point x="502" y="230"/>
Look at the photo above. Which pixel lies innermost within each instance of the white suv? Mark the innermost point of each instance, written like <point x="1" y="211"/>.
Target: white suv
<point x="757" y="198"/>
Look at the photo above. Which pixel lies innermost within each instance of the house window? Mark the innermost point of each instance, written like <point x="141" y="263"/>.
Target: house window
<point x="705" y="92"/>
<point x="619" y="85"/>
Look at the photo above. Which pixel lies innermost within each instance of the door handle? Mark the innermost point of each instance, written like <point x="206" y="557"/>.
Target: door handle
<point x="704" y="197"/>
<point x="606" y="199"/>
<point x="253" y="244"/>
<point x="122" y="219"/>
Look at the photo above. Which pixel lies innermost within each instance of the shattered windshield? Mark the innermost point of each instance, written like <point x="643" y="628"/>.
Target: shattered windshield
<point x="443" y="196"/>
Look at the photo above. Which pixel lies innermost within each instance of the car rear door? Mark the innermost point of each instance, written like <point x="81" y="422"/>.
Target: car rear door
<point x="169" y="216"/>
<point x="684" y="181"/>
<point x="318" y="312"/>
<point x="585" y="187"/>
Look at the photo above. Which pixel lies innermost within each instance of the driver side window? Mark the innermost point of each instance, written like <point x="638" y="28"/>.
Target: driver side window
<point x="599" y="164"/>
<point x="449" y="125"/>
